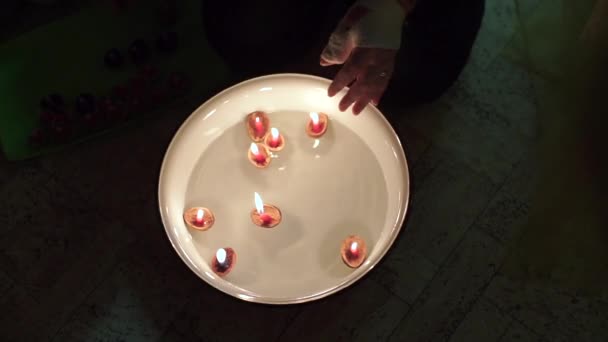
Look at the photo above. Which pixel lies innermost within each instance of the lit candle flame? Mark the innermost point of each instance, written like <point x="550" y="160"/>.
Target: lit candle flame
<point x="259" y="205"/>
<point x="353" y="247"/>
<point x="220" y="255"/>
<point x="254" y="149"/>
<point x="257" y="119"/>
<point x="199" y="215"/>
<point x="274" y="133"/>
<point x="314" y="116"/>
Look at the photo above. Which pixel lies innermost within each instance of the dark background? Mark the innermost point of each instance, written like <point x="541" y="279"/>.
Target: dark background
<point x="84" y="256"/>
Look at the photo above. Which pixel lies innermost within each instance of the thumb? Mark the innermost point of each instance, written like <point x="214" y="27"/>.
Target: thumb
<point x="341" y="42"/>
<point x="338" y="48"/>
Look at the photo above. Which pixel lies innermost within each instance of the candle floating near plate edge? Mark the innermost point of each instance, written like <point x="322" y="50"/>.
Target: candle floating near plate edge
<point x="265" y="215"/>
<point x="275" y="141"/>
<point x="317" y="124"/>
<point x="223" y="261"/>
<point x="199" y="218"/>
<point x="257" y="125"/>
<point x="353" y="251"/>
<point x="259" y="155"/>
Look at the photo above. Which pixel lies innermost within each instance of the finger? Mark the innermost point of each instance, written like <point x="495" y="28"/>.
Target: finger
<point x="337" y="50"/>
<point x="375" y="85"/>
<point x="351" y="97"/>
<point x="340" y="45"/>
<point x="343" y="78"/>
<point x="360" y="105"/>
<point x="369" y="86"/>
<point x="376" y="92"/>
<point x="323" y="62"/>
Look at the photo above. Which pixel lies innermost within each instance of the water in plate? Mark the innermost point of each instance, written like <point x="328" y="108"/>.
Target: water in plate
<point x="326" y="188"/>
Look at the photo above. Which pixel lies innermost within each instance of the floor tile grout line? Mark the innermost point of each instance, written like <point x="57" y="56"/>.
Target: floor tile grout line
<point x="15" y="283"/>
<point x="442" y="265"/>
<point x="84" y="199"/>
<point x="498" y="267"/>
<point x="501" y="263"/>
<point x="112" y="268"/>
<point x="505" y="331"/>
<point x="175" y="318"/>
<point x="483" y="288"/>
<point x="413" y="166"/>
<point x="41" y="169"/>
<point x="46" y="172"/>
<point x="288" y="324"/>
<point x="66" y="185"/>
<point x="95" y="288"/>
<point x="515" y="319"/>
<point x="481" y="292"/>
<point x="389" y="290"/>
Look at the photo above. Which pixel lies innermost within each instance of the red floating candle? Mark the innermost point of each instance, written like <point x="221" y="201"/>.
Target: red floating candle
<point x="275" y="140"/>
<point x="224" y="261"/>
<point x="353" y="251"/>
<point x="265" y="215"/>
<point x="258" y="155"/>
<point x="317" y="124"/>
<point x="257" y="126"/>
<point x="199" y="218"/>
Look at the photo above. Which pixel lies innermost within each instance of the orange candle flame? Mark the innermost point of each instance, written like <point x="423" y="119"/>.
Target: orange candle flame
<point x="275" y="138"/>
<point x="259" y="204"/>
<point x="317" y="124"/>
<point x="259" y="155"/>
<point x="274" y="141"/>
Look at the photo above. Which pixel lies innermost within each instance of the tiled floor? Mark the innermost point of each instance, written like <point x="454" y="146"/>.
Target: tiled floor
<point x="103" y="269"/>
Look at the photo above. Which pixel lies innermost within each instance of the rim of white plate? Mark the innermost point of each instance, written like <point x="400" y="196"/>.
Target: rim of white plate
<point x="347" y="281"/>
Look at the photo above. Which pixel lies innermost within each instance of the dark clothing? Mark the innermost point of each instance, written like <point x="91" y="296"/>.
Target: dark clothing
<point x="257" y="36"/>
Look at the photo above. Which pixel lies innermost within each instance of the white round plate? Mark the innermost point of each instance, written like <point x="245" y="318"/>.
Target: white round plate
<point x="353" y="180"/>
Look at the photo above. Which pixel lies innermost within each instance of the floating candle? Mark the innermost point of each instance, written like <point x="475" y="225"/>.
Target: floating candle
<point x="224" y="261"/>
<point x="275" y="140"/>
<point x="259" y="155"/>
<point x="317" y="124"/>
<point x="257" y="126"/>
<point x="353" y="251"/>
<point x="265" y="215"/>
<point x="199" y="218"/>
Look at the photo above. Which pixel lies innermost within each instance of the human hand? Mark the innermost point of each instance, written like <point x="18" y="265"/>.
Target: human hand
<point x="366" y="41"/>
<point x="368" y="70"/>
